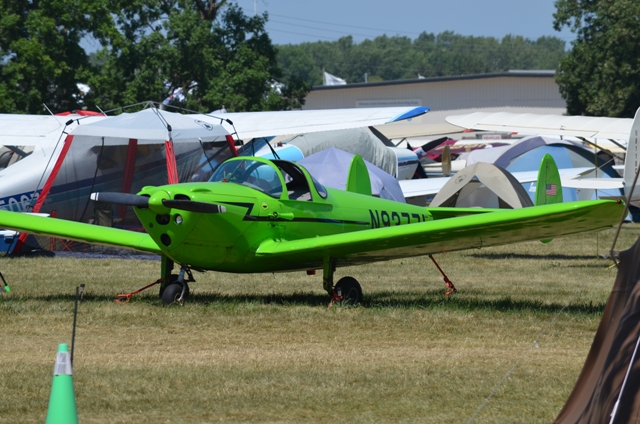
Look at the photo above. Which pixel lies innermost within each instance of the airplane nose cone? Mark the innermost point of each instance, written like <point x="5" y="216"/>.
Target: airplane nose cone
<point x="155" y="202"/>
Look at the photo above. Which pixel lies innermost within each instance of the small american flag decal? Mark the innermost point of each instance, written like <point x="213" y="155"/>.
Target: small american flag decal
<point x="550" y="190"/>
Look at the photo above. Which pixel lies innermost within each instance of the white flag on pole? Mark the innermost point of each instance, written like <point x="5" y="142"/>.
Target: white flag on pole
<point x="333" y="80"/>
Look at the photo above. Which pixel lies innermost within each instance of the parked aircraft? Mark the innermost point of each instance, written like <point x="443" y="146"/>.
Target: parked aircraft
<point x="584" y="127"/>
<point x="258" y="215"/>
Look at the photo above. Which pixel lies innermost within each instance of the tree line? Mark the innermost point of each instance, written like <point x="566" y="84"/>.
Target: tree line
<point x="429" y="55"/>
<point x="203" y="55"/>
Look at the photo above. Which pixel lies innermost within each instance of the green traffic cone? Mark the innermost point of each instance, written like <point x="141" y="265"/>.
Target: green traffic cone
<point x="62" y="401"/>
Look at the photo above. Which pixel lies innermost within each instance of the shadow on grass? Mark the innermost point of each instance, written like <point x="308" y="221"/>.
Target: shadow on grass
<point x="529" y="256"/>
<point x="422" y="300"/>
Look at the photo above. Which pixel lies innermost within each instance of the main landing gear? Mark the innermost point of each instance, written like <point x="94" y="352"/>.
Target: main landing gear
<point x="346" y="292"/>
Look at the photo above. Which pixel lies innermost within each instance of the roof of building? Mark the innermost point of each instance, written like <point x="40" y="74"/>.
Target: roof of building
<point x="427" y="80"/>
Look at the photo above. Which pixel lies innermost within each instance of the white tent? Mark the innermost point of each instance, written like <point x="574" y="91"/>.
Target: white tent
<point x="483" y="185"/>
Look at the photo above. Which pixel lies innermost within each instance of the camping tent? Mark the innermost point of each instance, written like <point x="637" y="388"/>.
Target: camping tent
<point x="527" y="153"/>
<point x="482" y="185"/>
<point x="331" y="168"/>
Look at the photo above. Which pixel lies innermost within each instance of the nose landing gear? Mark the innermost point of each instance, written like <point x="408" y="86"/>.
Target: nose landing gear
<point x="177" y="291"/>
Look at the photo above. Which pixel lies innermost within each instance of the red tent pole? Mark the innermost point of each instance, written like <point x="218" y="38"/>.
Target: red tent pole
<point x="232" y="144"/>
<point x="47" y="187"/>
<point x="172" y="168"/>
<point x="127" y="180"/>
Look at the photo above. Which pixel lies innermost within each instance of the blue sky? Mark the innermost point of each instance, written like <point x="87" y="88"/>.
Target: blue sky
<point x="296" y="21"/>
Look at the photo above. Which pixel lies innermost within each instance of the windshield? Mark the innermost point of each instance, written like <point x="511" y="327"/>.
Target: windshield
<point x="250" y="173"/>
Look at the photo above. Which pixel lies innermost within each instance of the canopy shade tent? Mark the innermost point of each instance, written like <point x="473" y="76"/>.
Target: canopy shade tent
<point x="149" y="126"/>
<point x="122" y="153"/>
<point x="331" y="168"/>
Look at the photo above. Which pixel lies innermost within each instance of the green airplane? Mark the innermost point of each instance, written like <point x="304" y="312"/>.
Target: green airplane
<point x="259" y="215"/>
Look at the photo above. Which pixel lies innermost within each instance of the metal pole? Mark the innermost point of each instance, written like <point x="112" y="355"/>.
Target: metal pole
<point x="79" y="293"/>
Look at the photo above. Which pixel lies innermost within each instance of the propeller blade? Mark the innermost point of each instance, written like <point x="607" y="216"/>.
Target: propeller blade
<point x="188" y="205"/>
<point x="143" y="202"/>
<point x="121" y="199"/>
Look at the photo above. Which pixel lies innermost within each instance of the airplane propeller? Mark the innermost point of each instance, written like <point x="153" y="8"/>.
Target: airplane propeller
<point x="145" y="202"/>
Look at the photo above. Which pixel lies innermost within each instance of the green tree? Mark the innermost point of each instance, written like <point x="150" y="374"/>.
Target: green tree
<point x="393" y="58"/>
<point x="41" y="59"/>
<point x="601" y="74"/>
<point x="209" y="55"/>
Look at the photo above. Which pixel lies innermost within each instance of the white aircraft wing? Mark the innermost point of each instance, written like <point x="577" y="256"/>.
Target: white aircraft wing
<point x="431" y="186"/>
<point x="531" y="123"/>
<point x="593" y="183"/>
<point x="250" y="125"/>
<point x="36" y="130"/>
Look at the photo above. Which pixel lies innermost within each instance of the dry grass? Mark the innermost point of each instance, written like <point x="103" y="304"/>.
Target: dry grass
<point x="265" y="348"/>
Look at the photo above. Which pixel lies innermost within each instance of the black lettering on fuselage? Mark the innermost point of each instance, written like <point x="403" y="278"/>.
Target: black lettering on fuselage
<point x="375" y="219"/>
<point x="395" y="216"/>
<point x="384" y="216"/>
<point x="387" y="219"/>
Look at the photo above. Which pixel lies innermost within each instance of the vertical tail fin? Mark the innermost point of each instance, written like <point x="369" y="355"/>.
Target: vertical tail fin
<point x="548" y="187"/>
<point x="632" y="158"/>
<point x="358" y="180"/>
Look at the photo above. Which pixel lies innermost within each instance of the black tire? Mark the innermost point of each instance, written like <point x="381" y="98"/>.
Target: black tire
<point x="350" y="290"/>
<point x="172" y="279"/>
<point x="172" y="293"/>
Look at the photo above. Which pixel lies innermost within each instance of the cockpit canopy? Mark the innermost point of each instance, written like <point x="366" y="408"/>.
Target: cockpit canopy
<point x="268" y="177"/>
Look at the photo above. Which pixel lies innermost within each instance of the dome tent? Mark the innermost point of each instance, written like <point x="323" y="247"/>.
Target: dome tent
<point x="483" y="185"/>
<point x="526" y="154"/>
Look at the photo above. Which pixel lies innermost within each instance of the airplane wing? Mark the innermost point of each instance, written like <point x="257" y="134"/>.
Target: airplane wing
<point x="44" y="130"/>
<point x="531" y="123"/>
<point x="78" y="231"/>
<point x="250" y="125"/>
<point x="36" y="130"/>
<point x="593" y="183"/>
<point x="475" y="231"/>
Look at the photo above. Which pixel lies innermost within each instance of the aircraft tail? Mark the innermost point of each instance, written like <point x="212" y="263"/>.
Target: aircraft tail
<point x="632" y="158"/>
<point x="358" y="180"/>
<point x="548" y="187"/>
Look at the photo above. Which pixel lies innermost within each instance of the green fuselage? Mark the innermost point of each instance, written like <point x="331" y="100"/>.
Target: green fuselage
<point x="228" y="241"/>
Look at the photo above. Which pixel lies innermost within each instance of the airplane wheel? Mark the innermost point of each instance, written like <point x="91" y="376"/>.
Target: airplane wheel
<point x="350" y="289"/>
<point x="172" y="279"/>
<point x="172" y="293"/>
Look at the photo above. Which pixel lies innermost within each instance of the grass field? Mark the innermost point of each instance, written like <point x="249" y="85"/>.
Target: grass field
<point x="265" y="348"/>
